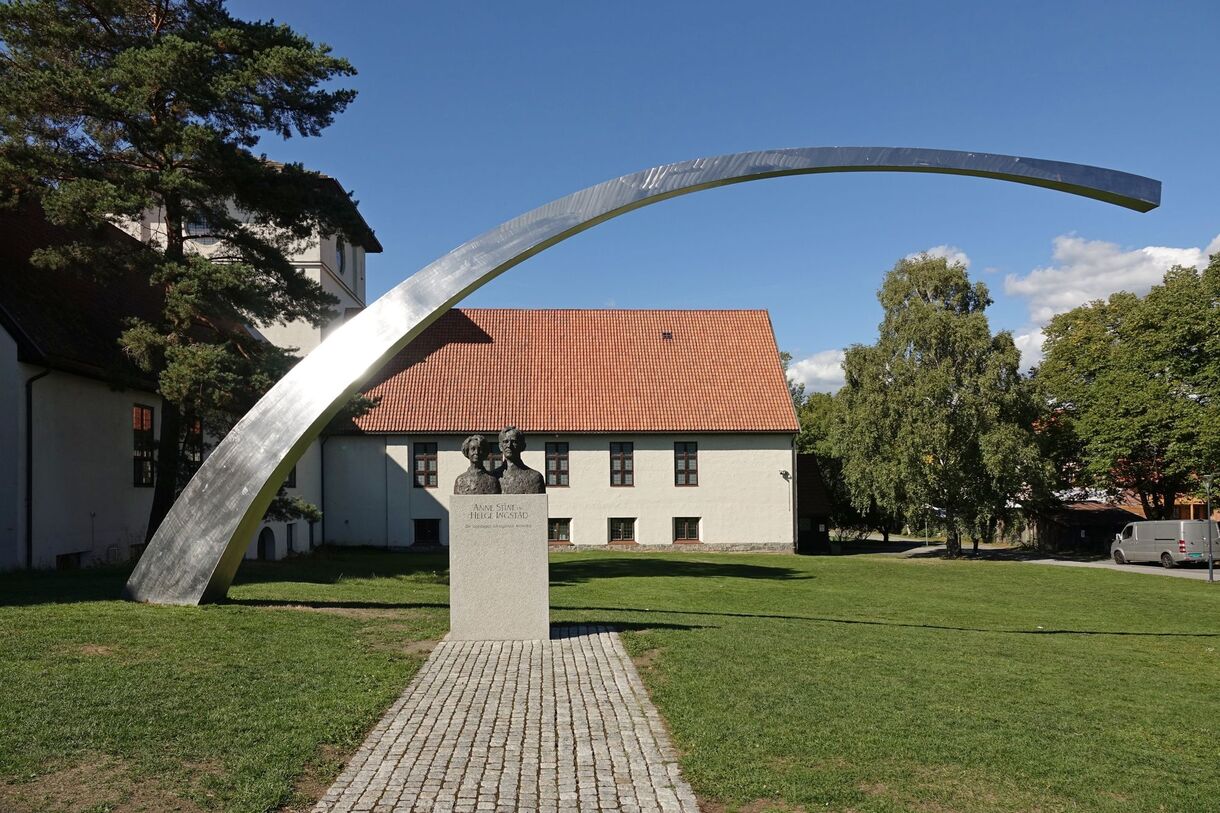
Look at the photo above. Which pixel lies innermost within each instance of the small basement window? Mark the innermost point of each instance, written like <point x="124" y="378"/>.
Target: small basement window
<point x="559" y="530"/>
<point x="427" y="532"/>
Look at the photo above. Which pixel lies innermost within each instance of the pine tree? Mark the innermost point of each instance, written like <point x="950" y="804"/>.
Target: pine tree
<point x="114" y="108"/>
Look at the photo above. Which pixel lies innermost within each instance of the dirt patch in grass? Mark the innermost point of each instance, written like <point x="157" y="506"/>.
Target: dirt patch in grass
<point x="352" y="612"/>
<point x="952" y="788"/>
<point x="420" y="647"/>
<point x="316" y="779"/>
<point x="90" y="786"/>
<point x="95" y="649"/>
<point x="646" y="659"/>
<point x="874" y="788"/>
<point x="756" y="806"/>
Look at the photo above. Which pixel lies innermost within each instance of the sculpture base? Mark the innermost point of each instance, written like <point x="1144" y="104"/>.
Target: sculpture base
<point x="499" y="587"/>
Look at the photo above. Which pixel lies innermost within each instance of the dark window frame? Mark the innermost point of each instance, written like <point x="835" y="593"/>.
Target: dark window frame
<point x="686" y="463"/>
<point x="617" y="524"/>
<point x="625" y="455"/>
<point x="684" y="527"/>
<point x="427" y="476"/>
<point x="553" y="524"/>
<point x="144" y="445"/>
<point x="562" y="468"/>
<point x="494" y="459"/>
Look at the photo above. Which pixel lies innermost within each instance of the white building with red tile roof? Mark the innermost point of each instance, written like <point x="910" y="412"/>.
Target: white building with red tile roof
<point x="652" y="427"/>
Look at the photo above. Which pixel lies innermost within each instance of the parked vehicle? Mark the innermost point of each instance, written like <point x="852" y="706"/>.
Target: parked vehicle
<point x="1170" y="542"/>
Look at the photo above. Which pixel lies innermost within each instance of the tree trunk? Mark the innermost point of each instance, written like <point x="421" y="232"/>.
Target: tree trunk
<point x="953" y="542"/>
<point x="169" y="449"/>
<point x="169" y="453"/>
<point x="885" y="535"/>
<point x="975" y="542"/>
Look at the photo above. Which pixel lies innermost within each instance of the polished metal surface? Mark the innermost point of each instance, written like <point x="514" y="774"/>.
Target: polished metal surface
<point x="197" y="549"/>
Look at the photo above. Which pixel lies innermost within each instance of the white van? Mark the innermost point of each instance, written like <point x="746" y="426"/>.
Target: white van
<point x="1170" y="542"/>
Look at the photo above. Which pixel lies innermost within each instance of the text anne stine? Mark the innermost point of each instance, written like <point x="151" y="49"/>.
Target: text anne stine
<point x="503" y="510"/>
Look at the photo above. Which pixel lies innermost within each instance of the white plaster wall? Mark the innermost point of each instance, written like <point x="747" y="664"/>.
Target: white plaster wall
<point x="317" y="257"/>
<point x="12" y="456"/>
<point x="355" y="508"/>
<point x="309" y="488"/>
<point x="741" y="498"/>
<point x="84" y="500"/>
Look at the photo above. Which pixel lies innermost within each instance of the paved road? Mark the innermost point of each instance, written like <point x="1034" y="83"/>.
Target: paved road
<point x="1193" y="572"/>
<point x="1196" y="572"/>
<point x="559" y="725"/>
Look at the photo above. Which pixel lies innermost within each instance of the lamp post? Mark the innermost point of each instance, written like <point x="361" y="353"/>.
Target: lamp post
<point x="1207" y="487"/>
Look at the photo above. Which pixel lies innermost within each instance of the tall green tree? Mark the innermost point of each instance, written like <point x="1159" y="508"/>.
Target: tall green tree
<point x="116" y="108"/>
<point x="935" y="415"/>
<point x="821" y="419"/>
<point x="1132" y="387"/>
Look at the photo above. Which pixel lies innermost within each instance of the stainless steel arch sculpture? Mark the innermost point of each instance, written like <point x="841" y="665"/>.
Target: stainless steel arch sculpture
<point x="197" y="549"/>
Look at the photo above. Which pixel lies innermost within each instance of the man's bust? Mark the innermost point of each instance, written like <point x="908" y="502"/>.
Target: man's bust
<point x="516" y="477"/>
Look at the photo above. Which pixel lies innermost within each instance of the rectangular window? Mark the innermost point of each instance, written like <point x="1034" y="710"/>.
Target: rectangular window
<point x="425" y="465"/>
<point x="290" y="532"/>
<point x="494" y="459"/>
<point x="559" y="530"/>
<point x="143" y="444"/>
<point x="622" y="529"/>
<point x="686" y="529"/>
<point x="622" y="464"/>
<point x="686" y="464"/>
<point x="427" y="532"/>
<point x="557" y="464"/>
<point x="291" y="480"/>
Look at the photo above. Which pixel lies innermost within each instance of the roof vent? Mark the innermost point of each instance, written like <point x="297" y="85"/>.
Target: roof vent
<point x="667" y="335"/>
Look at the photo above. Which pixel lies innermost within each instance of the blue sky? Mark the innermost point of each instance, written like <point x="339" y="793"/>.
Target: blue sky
<point x="471" y="113"/>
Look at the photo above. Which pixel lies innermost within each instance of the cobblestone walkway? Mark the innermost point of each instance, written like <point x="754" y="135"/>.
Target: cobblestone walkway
<point x="559" y="725"/>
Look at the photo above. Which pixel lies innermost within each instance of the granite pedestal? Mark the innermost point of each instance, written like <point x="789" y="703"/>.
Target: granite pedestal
<point x="499" y="588"/>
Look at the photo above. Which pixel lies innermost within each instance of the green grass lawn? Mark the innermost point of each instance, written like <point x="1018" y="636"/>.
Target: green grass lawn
<point x="863" y="684"/>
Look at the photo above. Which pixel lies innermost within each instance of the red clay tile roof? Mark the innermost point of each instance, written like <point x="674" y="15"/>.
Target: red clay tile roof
<point x="586" y="371"/>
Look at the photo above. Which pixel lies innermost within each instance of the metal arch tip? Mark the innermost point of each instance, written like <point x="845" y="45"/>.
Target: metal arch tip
<point x="196" y="551"/>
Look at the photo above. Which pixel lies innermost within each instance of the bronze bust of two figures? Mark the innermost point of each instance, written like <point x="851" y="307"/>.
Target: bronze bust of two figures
<point x="513" y="476"/>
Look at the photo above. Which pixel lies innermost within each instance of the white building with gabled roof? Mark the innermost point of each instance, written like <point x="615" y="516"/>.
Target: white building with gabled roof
<point x="653" y="427"/>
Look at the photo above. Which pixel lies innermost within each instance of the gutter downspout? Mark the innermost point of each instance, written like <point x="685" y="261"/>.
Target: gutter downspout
<point x="793" y="504"/>
<point x="29" y="467"/>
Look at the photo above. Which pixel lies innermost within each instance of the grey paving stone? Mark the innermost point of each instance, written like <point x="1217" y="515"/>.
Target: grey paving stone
<point x="551" y="725"/>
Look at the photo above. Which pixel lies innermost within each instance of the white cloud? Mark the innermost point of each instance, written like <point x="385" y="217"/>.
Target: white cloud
<point x="821" y="372"/>
<point x="1087" y="270"/>
<point x="951" y="253"/>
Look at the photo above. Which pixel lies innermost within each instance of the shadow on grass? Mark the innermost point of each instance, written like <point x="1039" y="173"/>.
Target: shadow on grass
<point x="325" y="565"/>
<point x="577" y="629"/>
<point x="336" y="605"/>
<point x="565" y="573"/>
<point x="328" y="565"/>
<point x="23" y="588"/>
<point x="1014" y="554"/>
<point x="869" y="623"/>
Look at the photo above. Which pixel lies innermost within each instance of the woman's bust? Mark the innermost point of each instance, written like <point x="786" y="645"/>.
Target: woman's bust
<point x="476" y="479"/>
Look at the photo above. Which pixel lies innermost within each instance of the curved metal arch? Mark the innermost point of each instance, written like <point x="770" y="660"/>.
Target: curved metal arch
<point x="197" y="549"/>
